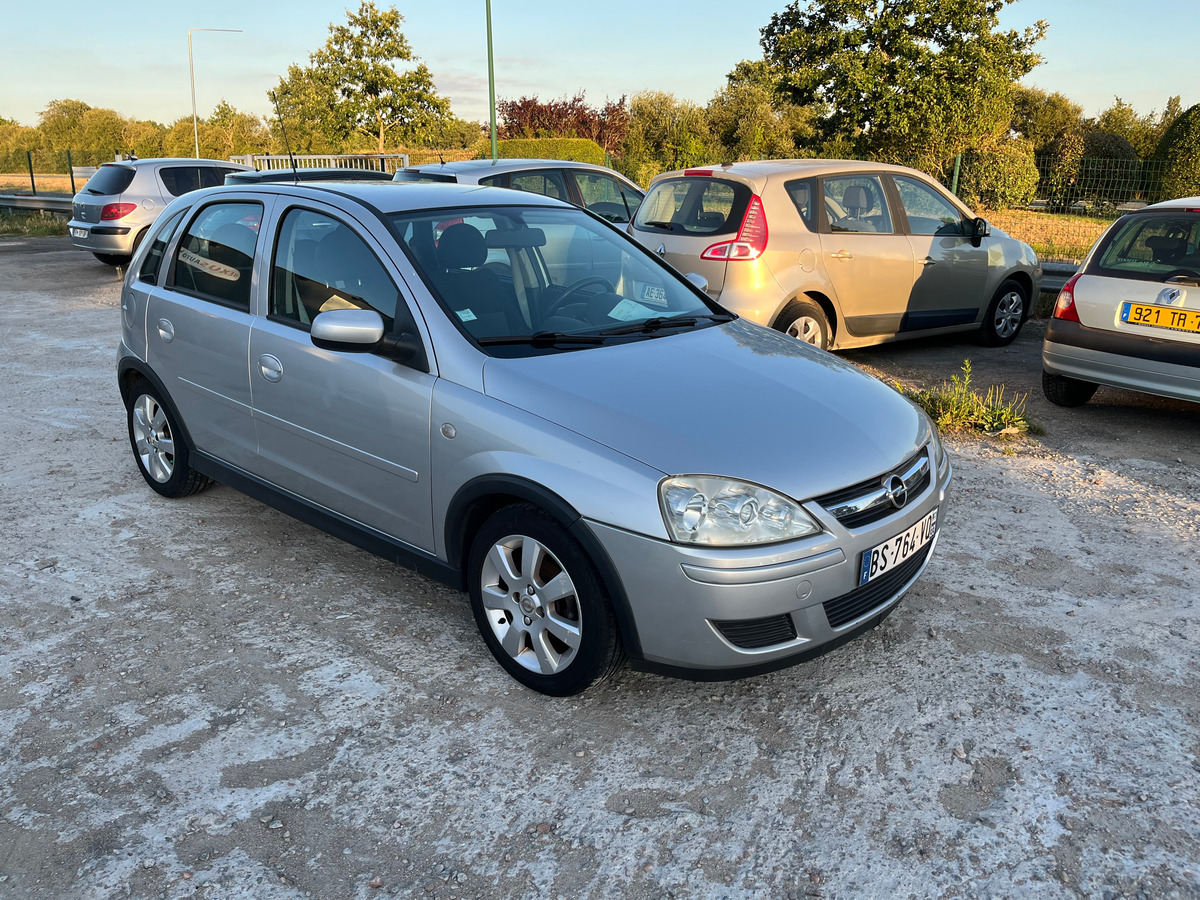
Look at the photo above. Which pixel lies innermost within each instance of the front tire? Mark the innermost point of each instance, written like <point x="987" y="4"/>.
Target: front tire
<point x="159" y="447"/>
<point x="1005" y="314"/>
<point x="1064" y="391"/>
<point x="807" y="322"/>
<point x="539" y="603"/>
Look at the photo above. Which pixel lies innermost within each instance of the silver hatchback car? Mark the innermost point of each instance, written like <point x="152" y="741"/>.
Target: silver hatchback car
<point x="110" y="216"/>
<point x="506" y="393"/>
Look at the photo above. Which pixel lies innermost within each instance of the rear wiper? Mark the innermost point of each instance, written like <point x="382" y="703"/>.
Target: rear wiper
<point x="93" y="191"/>
<point x="657" y="323"/>
<point x="541" y="339"/>
<point x="1184" y="279"/>
<point x="666" y="225"/>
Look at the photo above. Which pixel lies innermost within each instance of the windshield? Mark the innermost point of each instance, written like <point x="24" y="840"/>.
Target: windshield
<point x="520" y="280"/>
<point x="1152" y="247"/>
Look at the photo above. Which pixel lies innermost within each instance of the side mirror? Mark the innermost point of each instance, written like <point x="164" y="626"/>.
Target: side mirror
<point x="361" y="331"/>
<point x="698" y="281"/>
<point x="979" y="230"/>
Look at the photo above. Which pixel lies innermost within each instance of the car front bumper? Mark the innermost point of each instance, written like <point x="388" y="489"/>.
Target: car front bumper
<point x="115" y="239"/>
<point x="1135" y="362"/>
<point x="722" y="612"/>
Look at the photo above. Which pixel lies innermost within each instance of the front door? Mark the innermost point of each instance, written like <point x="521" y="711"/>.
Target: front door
<point x="348" y="431"/>
<point x="951" y="271"/>
<point x="869" y="263"/>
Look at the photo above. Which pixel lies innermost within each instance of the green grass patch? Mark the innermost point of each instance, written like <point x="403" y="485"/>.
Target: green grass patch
<point x="32" y="225"/>
<point x="956" y="406"/>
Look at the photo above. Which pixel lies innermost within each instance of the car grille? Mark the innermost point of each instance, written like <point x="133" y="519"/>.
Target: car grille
<point x="754" y="633"/>
<point x="865" y="502"/>
<point x="862" y="600"/>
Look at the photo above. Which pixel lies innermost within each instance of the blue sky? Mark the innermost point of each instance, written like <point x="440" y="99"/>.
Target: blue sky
<point x="132" y="56"/>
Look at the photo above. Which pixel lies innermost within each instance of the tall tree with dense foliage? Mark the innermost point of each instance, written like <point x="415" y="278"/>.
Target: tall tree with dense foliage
<point x="664" y="133"/>
<point x="352" y="85"/>
<point x="1043" y="118"/>
<point x="1179" y="152"/>
<point x="913" y="81"/>
<point x="1142" y="131"/>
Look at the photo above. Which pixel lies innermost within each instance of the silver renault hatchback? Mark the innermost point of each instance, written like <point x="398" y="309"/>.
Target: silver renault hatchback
<point x="508" y="394"/>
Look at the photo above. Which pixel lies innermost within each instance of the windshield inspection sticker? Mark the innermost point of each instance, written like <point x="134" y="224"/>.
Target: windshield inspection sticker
<point x="630" y="309"/>
<point x="466" y="315"/>
<point x="211" y="266"/>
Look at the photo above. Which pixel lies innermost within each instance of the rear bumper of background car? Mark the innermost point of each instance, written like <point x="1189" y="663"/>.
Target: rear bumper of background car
<point x="115" y="239"/>
<point x="722" y="613"/>
<point x="1135" y="362"/>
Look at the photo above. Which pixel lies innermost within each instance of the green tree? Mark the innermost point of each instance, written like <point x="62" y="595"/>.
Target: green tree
<point x="664" y="133"/>
<point x="914" y="81"/>
<point x="61" y="124"/>
<point x="1043" y="118"/>
<point x="747" y="124"/>
<point x="353" y="80"/>
<point x="1179" y="152"/>
<point x="1142" y="131"/>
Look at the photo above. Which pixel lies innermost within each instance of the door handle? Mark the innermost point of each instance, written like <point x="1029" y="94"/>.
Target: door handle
<point x="270" y="367"/>
<point x="842" y="254"/>
<point x="166" y="330"/>
<point x="927" y="261"/>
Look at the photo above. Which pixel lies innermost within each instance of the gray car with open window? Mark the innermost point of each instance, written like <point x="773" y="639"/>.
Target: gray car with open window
<point x="508" y="394"/>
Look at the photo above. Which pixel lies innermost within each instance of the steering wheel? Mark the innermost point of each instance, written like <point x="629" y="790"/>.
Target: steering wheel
<point x="574" y="287"/>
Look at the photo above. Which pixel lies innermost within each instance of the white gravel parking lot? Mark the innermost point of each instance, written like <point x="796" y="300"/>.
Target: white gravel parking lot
<point x="205" y="698"/>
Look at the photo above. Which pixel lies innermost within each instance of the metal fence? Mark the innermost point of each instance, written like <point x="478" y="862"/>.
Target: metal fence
<point x="379" y="162"/>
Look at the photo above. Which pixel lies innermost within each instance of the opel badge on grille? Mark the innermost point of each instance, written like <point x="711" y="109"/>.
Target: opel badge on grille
<point x="896" y="491"/>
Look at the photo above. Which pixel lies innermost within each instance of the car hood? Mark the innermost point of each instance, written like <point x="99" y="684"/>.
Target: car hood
<point x="737" y="399"/>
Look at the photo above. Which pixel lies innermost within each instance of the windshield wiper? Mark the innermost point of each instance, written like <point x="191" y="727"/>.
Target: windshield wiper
<point x="658" y="323"/>
<point x="667" y="225"/>
<point x="1184" y="279"/>
<point x="541" y="339"/>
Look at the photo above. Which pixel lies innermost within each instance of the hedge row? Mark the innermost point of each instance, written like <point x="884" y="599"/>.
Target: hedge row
<point x="577" y="149"/>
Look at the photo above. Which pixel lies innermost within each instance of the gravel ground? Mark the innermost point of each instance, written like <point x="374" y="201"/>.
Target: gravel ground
<point x="205" y="698"/>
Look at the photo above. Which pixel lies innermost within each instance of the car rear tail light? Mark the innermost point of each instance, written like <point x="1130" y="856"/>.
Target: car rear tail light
<point x="1064" y="307"/>
<point x="117" y="210"/>
<point x="697" y="173"/>
<point x="751" y="240"/>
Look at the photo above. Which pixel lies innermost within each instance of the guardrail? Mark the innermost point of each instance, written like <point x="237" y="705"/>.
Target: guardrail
<point x="58" y="206"/>
<point x="381" y="162"/>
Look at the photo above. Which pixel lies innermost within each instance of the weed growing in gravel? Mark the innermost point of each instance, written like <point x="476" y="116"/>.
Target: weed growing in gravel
<point x="31" y="225"/>
<point x="956" y="406"/>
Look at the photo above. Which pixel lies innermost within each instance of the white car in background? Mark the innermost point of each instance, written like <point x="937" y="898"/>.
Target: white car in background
<point x="1131" y="317"/>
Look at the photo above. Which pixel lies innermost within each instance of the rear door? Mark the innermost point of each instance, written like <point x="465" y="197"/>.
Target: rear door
<point x="1138" y="280"/>
<point x="682" y="217"/>
<point x="869" y="262"/>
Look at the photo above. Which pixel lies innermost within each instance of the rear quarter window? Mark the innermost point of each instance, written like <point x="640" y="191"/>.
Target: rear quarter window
<point x="1151" y="247"/>
<point x="110" y="180"/>
<point x="180" y="180"/>
<point x="697" y="205"/>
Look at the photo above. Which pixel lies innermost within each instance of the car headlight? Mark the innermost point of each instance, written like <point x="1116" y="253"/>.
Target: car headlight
<point x="939" y="451"/>
<point x="722" y="512"/>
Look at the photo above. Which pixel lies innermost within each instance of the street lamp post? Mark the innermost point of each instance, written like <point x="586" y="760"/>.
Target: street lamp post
<point x="491" y="79"/>
<point x="192" y="73"/>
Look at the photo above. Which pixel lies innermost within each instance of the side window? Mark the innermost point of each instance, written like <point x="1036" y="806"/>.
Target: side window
<point x="602" y="195"/>
<point x="179" y="180"/>
<point x="549" y="182"/>
<point x="803" y="194"/>
<point x="857" y="203"/>
<point x="211" y="176"/>
<point x="928" y="212"/>
<point x="216" y="254"/>
<point x="494" y="180"/>
<point x="149" y="270"/>
<point x="321" y="264"/>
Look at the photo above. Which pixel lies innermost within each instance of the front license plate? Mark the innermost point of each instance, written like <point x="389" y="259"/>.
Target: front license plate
<point x="1171" y="318"/>
<point x="886" y="556"/>
<point x="79" y="233"/>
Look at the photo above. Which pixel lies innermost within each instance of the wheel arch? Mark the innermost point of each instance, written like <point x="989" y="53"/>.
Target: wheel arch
<point x="132" y="370"/>
<point x="822" y="300"/>
<point x="1026" y="282"/>
<point x="481" y="497"/>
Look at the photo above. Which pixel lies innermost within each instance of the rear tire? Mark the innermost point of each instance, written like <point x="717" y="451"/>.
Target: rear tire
<point x="1063" y="391"/>
<point x="539" y="603"/>
<point x="807" y="322"/>
<point x="113" y="259"/>
<point x="1006" y="314"/>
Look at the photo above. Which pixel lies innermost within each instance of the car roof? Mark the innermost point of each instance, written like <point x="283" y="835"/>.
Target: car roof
<point x="498" y="166"/>
<point x="313" y="174"/>
<point x="767" y="168"/>
<point x="1188" y="203"/>
<point x="177" y="161"/>
<point x="395" y="197"/>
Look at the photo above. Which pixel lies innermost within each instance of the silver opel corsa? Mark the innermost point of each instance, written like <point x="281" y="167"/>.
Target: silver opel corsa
<point x="508" y="394"/>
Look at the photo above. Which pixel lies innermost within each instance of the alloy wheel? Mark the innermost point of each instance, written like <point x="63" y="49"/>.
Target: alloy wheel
<point x="153" y="439"/>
